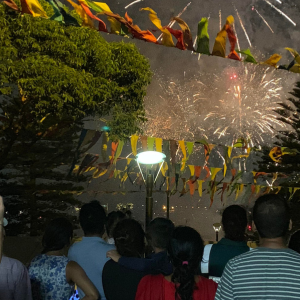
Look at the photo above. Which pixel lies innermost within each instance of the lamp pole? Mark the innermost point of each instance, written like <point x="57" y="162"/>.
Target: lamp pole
<point x="168" y="204"/>
<point x="149" y="198"/>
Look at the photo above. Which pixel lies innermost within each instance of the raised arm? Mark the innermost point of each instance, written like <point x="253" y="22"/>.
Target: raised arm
<point x="75" y="274"/>
<point x="1" y="226"/>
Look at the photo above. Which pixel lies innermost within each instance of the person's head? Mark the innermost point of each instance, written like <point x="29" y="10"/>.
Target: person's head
<point x="271" y="216"/>
<point x="129" y="238"/>
<point x="92" y="218"/>
<point x="112" y="219"/>
<point x="294" y="242"/>
<point x="58" y="235"/>
<point x="234" y="220"/>
<point x="159" y="232"/>
<point x="185" y="250"/>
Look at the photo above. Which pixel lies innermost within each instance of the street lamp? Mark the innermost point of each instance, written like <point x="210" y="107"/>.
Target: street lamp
<point x="149" y="158"/>
<point x="217" y="227"/>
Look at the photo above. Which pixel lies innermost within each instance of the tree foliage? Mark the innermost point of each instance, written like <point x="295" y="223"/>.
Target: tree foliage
<point x="51" y="77"/>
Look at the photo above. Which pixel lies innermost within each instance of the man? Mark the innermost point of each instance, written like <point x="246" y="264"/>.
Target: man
<point x="271" y="271"/>
<point x="90" y="253"/>
<point x="215" y="257"/>
<point x="14" y="278"/>
<point x="159" y="233"/>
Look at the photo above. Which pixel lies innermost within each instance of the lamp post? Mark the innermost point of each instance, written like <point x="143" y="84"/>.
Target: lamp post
<point x="217" y="227"/>
<point x="149" y="158"/>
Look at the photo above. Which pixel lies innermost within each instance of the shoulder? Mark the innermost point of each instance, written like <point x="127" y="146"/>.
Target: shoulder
<point x="12" y="264"/>
<point x="148" y="279"/>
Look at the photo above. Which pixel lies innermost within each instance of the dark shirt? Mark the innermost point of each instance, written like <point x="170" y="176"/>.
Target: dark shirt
<point x="156" y="263"/>
<point x="120" y="283"/>
<point x="222" y="252"/>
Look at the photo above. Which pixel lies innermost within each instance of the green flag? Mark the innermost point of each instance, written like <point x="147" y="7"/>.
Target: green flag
<point x="203" y="37"/>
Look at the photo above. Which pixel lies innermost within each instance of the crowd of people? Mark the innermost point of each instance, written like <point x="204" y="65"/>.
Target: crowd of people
<point x="117" y="260"/>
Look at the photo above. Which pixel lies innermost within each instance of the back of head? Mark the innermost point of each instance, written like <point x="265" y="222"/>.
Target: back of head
<point x="234" y="220"/>
<point x="271" y="216"/>
<point x="58" y="234"/>
<point x="129" y="238"/>
<point x="112" y="219"/>
<point x="294" y="242"/>
<point x="92" y="218"/>
<point x="159" y="232"/>
<point x="185" y="250"/>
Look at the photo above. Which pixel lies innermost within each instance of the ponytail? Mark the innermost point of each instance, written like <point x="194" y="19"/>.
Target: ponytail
<point x="185" y="250"/>
<point x="183" y="277"/>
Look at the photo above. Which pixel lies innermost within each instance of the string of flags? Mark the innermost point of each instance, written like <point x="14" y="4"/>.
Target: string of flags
<point x="89" y="12"/>
<point x="180" y="173"/>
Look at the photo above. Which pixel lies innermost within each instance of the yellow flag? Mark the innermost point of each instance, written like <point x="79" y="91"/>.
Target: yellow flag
<point x="158" y="144"/>
<point x="98" y="174"/>
<point x="167" y="37"/>
<point x="134" y="140"/>
<point x="214" y="172"/>
<point x="164" y="168"/>
<point x="273" y="60"/>
<point x="102" y="6"/>
<point x="278" y="189"/>
<point x="36" y="9"/>
<point x="86" y="20"/>
<point x="257" y="189"/>
<point x="295" y="54"/>
<point x="200" y="182"/>
<point x="220" y="42"/>
<point x="182" y="146"/>
<point x="192" y="170"/>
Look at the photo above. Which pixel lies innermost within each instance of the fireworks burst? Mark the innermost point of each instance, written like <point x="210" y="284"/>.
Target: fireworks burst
<point x="238" y="103"/>
<point x="247" y="107"/>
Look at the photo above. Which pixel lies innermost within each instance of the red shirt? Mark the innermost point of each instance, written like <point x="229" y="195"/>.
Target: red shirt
<point x="158" y="288"/>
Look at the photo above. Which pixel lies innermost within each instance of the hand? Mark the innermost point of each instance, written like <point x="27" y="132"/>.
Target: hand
<point x="114" y="255"/>
<point x="1" y="210"/>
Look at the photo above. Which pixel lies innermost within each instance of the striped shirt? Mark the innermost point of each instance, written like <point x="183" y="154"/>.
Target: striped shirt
<point x="262" y="273"/>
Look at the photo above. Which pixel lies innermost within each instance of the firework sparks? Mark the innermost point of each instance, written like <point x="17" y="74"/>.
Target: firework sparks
<point x="281" y="12"/>
<point x="238" y="103"/>
<point x="248" y="107"/>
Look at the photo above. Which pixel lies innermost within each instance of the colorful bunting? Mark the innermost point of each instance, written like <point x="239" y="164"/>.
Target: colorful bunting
<point x="203" y="37"/>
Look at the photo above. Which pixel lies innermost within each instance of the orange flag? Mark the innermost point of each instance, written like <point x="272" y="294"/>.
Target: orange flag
<point x="102" y="26"/>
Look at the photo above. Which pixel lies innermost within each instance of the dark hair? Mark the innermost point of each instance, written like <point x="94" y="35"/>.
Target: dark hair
<point x="112" y="219"/>
<point x="92" y="218"/>
<point x="57" y="235"/>
<point x="185" y="250"/>
<point x="271" y="216"/>
<point x="294" y="243"/>
<point x="129" y="238"/>
<point x="159" y="232"/>
<point x="234" y="220"/>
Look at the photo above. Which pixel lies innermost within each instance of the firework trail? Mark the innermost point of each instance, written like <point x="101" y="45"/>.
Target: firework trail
<point x="132" y="3"/>
<point x="253" y="8"/>
<point x="243" y="27"/>
<point x="281" y="12"/>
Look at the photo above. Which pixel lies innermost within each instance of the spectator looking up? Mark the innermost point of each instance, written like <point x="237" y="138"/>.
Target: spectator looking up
<point x="271" y="271"/>
<point x="119" y="282"/>
<point x="185" y="250"/>
<point x="158" y="235"/>
<point x="112" y="219"/>
<point x="215" y="257"/>
<point x="52" y="274"/>
<point x="90" y="252"/>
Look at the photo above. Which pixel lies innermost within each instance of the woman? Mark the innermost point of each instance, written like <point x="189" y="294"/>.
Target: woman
<point x="121" y="283"/>
<point x="52" y="275"/>
<point x="185" y="250"/>
<point x="112" y="220"/>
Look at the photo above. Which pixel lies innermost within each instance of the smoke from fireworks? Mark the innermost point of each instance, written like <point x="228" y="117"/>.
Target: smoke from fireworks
<point x="239" y="102"/>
